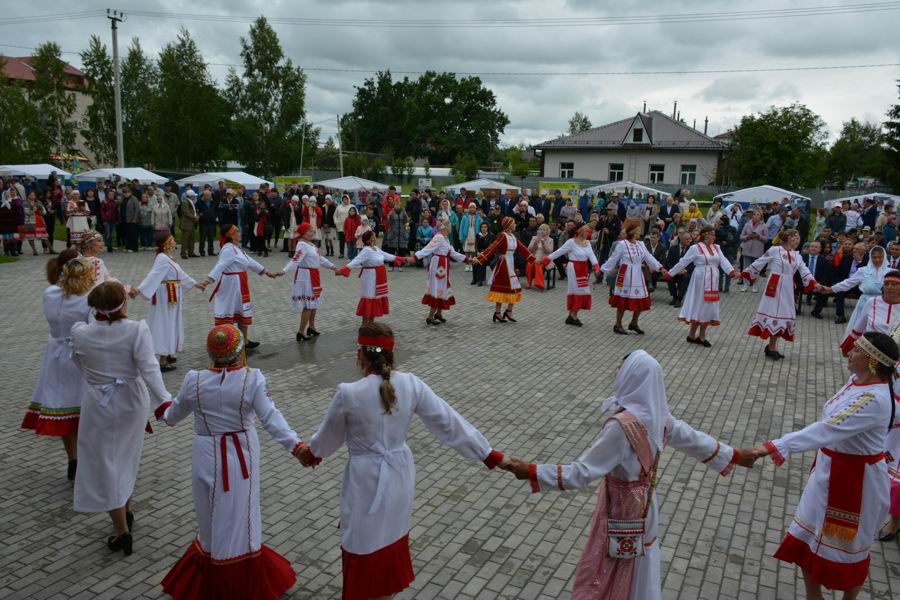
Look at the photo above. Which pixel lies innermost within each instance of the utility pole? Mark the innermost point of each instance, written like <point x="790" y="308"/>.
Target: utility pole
<point x="340" y="145"/>
<point x="302" y="145"/>
<point x="115" y="17"/>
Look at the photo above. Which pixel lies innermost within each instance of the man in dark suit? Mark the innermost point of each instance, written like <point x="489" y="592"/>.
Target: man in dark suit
<point x="845" y="262"/>
<point x="541" y="205"/>
<point x="678" y="285"/>
<point x="507" y="203"/>
<point x="822" y="270"/>
<point x="557" y="204"/>
<point x="656" y="247"/>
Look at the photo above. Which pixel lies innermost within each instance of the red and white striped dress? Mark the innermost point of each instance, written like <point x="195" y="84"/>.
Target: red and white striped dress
<point x="578" y="273"/>
<point x="373" y="301"/>
<point x="630" y="289"/>
<point x="439" y="294"/>
<point x="701" y="302"/>
<point x="776" y="315"/>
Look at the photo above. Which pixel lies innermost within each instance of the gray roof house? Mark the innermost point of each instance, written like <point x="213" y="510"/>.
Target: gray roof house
<point x="650" y="148"/>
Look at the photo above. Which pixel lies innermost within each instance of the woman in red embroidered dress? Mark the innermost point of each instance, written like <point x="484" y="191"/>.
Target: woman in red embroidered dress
<point x="373" y="301"/>
<point x="847" y="494"/>
<point x="505" y="286"/>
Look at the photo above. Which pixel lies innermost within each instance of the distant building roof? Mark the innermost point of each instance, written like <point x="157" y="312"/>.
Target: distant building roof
<point x="662" y="133"/>
<point x="20" y="68"/>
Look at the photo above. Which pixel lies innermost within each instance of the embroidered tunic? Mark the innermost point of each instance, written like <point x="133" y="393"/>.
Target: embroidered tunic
<point x="582" y="261"/>
<point x="776" y="315"/>
<point x="626" y="261"/>
<point x="505" y="286"/>
<point x="701" y="301"/>
<point x="232" y="292"/>
<point x="307" y="288"/>
<point x="438" y="293"/>
<point x="101" y="273"/>
<point x="876" y="315"/>
<point x="373" y="301"/>
<point x="164" y="287"/>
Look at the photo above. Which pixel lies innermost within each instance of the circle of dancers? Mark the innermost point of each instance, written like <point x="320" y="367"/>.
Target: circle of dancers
<point x="82" y="395"/>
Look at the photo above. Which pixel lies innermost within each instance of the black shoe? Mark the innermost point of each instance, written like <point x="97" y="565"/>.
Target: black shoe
<point x="887" y="537"/>
<point x="619" y="330"/>
<point x="166" y="368"/>
<point x="440" y="318"/>
<point x="578" y="323"/>
<point x="691" y="340"/>
<point x="70" y="473"/>
<point x="480" y="283"/>
<point x="203" y="254"/>
<point x="498" y="318"/>
<point x="840" y="320"/>
<point x="571" y="321"/>
<point x="772" y="354"/>
<point x="252" y="345"/>
<point x="430" y="321"/>
<point x="672" y="302"/>
<point x="677" y="304"/>
<point x="302" y="338"/>
<point x="636" y="329"/>
<point x="171" y="359"/>
<point x="473" y="282"/>
<point x="312" y="332"/>
<point x="123" y="542"/>
<point x="704" y="343"/>
<point x="815" y="315"/>
<point x="508" y="316"/>
<point x="129" y="518"/>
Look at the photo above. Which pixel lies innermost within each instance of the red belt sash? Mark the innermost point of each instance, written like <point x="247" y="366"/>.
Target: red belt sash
<point x="582" y="278"/>
<point x="315" y="279"/>
<point x="620" y="278"/>
<point x="443" y="267"/>
<point x="223" y="445"/>
<point x="845" y="492"/>
<point x="171" y="291"/>
<point x="245" y="285"/>
<point x="772" y="285"/>
<point x="381" y="284"/>
<point x="710" y="289"/>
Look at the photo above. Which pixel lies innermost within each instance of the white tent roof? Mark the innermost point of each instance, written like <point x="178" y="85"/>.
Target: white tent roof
<point x="875" y="196"/>
<point x="761" y="194"/>
<point x="247" y="180"/>
<point x="352" y="184"/>
<point x="41" y="171"/>
<point x="619" y="186"/>
<point x="477" y="184"/>
<point x="129" y="173"/>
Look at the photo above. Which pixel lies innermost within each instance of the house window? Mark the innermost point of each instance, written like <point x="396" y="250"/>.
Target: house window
<point x="616" y="171"/>
<point x="657" y="173"/>
<point x="566" y="170"/>
<point x="688" y="174"/>
<point x="637" y="135"/>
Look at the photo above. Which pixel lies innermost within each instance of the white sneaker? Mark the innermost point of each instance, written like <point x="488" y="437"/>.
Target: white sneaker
<point x="754" y="290"/>
<point x="742" y="288"/>
<point x="400" y="269"/>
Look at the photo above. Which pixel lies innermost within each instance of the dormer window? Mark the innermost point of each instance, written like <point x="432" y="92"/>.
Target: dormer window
<point x="637" y="135"/>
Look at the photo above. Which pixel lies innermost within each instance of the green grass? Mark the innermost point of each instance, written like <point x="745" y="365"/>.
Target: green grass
<point x="8" y="259"/>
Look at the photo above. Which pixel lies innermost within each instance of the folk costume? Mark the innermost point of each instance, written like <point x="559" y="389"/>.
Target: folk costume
<point x="373" y="301"/>
<point x="776" y="315"/>
<point x="377" y="490"/>
<point x="505" y="287"/>
<point x="622" y="557"/>
<point x="61" y="388"/>
<point x="869" y="279"/>
<point x="227" y="558"/>
<point x="847" y="494"/>
<point x="232" y="292"/>
<point x="164" y="287"/>
<point x="305" y="263"/>
<point x="438" y="293"/>
<point x="701" y="301"/>
<point x="626" y="261"/>
<point x="877" y="315"/>
<point x="582" y="261"/>
<point x="118" y="362"/>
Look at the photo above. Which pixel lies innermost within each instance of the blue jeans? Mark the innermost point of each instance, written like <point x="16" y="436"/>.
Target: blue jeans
<point x="352" y="251"/>
<point x="110" y="229"/>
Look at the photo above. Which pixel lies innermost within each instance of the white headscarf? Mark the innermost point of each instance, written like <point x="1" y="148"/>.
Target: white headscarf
<point x="639" y="388"/>
<point x="877" y="272"/>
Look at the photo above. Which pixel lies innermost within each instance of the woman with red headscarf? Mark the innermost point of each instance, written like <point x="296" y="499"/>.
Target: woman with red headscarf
<point x="307" y="291"/>
<point x="373" y="302"/>
<point x="505" y="286"/>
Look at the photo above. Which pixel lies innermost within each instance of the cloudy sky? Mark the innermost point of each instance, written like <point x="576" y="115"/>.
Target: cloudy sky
<point x="540" y="101"/>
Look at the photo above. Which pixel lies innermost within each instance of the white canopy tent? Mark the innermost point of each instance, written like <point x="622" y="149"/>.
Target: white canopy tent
<point x="478" y="184"/>
<point x="352" y="184"/>
<point x="251" y="182"/>
<point x="39" y="171"/>
<point x="619" y="186"/>
<point x="128" y="173"/>
<point x="887" y="198"/>
<point x="761" y="194"/>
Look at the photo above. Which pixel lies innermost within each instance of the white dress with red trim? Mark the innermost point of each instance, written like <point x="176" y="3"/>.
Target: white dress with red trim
<point x="505" y="286"/>
<point x="122" y="373"/>
<point x="613" y="455"/>
<point x="701" y="301"/>
<point x="869" y="280"/>
<point x="876" y="315"/>
<point x="306" y="292"/>
<point x="846" y="497"/>
<point x="373" y="283"/>
<point x="227" y="558"/>
<point x="163" y="287"/>
<point x="61" y="388"/>
<point x="101" y="273"/>
<point x="232" y="292"/>
<point x="439" y="294"/>
<point x="776" y="315"/>
<point x="377" y="491"/>
<point x="626" y="263"/>
<point x="582" y="261"/>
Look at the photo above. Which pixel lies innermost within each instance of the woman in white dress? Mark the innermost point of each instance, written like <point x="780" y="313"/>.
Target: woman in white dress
<point x="232" y="292"/>
<point x="373" y="300"/>
<point x="701" y="301"/>
<point x="91" y="245"/>
<point x="372" y="417"/>
<point x="582" y="261"/>
<point x="115" y="355"/>
<point x="227" y="559"/>
<point x="61" y="389"/>
<point x="869" y="278"/>
<point x="77" y="217"/>
<point x="438" y="294"/>
<point x="776" y="315"/>
<point x="164" y="287"/>
<point x="627" y="260"/>
<point x="505" y="285"/>
<point x="306" y="293"/>
<point x="622" y="557"/>
<point x="848" y="491"/>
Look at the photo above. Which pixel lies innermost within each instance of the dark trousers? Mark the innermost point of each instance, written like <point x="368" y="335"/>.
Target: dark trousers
<point x="146" y="232"/>
<point x="258" y="244"/>
<point x="207" y="235"/>
<point x="110" y="230"/>
<point x="50" y="224"/>
<point x="131" y="236"/>
<point x="822" y="300"/>
<point x="121" y="236"/>
<point x="479" y="273"/>
<point x="341" y="243"/>
<point x="678" y="287"/>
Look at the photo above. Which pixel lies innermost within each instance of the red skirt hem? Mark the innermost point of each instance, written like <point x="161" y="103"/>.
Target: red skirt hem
<point x="833" y="575"/>
<point x="579" y="301"/>
<point x="438" y="303"/>
<point x="57" y="427"/>
<point x="261" y="575"/>
<point x="632" y="304"/>
<point x="369" y="308"/>
<point x="236" y="319"/>
<point x="384" y="572"/>
<point x="695" y="322"/>
<point x="764" y="334"/>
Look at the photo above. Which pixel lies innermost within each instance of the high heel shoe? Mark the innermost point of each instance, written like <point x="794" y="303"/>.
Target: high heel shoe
<point x="440" y="318"/>
<point x="619" y="330"/>
<point x="302" y="338"/>
<point x="636" y="329"/>
<point x="129" y="519"/>
<point x="70" y="473"/>
<point x="124" y="542"/>
<point x="430" y="321"/>
<point x="508" y="316"/>
<point x="498" y="318"/>
<point x="312" y="332"/>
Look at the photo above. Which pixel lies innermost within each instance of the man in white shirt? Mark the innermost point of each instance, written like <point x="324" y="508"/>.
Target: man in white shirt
<point x="775" y="223"/>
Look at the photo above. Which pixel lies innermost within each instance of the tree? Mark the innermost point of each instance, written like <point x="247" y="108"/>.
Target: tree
<point x="23" y="139"/>
<point x="54" y="102"/>
<point x="579" y="123"/>
<point x="140" y="100"/>
<point x="100" y="133"/>
<point x="268" y="103"/>
<point x="465" y="167"/>
<point x="377" y="122"/>
<point x="327" y="157"/>
<point x="783" y="146"/>
<point x="892" y="146"/>
<point x="355" y="164"/>
<point x="856" y="153"/>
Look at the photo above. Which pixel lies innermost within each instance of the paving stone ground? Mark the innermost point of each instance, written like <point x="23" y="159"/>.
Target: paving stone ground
<point x="534" y="389"/>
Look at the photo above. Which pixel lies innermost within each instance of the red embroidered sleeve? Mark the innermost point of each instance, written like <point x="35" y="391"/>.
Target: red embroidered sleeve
<point x="491" y="250"/>
<point x="532" y="476"/>
<point x="522" y="250"/>
<point x="161" y="409"/>
<point x="777" y="458"/>
<point x="494" y="458"/>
